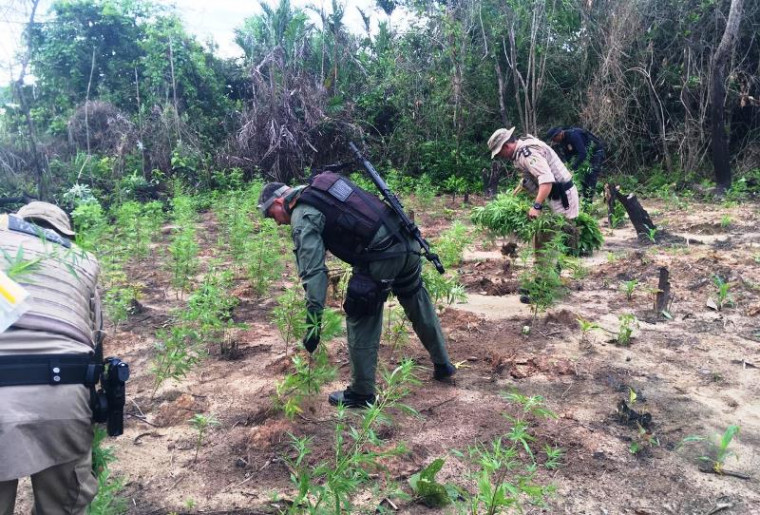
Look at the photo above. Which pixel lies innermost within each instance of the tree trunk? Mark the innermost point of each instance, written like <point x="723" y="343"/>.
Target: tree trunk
<point x="502" y="92"/>
<point x="720" y="157"/>
<point x="18" y="88"/>
<point x="640" y="219"/>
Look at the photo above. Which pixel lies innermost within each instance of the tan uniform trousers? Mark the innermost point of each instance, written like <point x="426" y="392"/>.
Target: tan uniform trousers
<point x="65" y="489"/>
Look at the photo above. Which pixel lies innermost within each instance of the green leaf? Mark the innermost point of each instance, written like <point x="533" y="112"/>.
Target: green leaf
<point x="430" y="492"/>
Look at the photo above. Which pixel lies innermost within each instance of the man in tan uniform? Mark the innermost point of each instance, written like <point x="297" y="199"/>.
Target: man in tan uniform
<point x="46" y="365"/>
<point x="543" y="172"/>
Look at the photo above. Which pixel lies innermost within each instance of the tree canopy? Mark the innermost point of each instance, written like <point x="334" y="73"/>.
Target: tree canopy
<point x="425" y="94"/>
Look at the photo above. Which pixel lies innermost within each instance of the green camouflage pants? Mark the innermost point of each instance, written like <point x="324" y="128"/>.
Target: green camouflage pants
<point x="364" y="332"/>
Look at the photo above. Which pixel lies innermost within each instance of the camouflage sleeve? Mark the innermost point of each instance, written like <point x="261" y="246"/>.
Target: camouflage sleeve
<point x="307" y="224"/>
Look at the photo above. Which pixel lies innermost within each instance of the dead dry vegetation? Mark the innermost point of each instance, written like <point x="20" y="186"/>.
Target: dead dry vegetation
<point x="623" y="412"/>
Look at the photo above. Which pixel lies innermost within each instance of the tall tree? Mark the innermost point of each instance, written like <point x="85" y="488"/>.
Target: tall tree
<point x="20" y="91"/>
<point x="720" y="153"/>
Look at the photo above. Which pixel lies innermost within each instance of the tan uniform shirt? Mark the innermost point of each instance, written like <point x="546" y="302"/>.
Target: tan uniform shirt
<point x="539" y="164"/>
<point x="41" y="425"/>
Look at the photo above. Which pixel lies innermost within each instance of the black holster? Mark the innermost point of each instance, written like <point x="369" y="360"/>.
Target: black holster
<point x="108" y="401"/>
<point x="365" y="295"/>
<point x="559" y="192"/>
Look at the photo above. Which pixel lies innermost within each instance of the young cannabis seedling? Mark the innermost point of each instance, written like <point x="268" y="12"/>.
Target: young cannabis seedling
<point x="263" y="256"/>
<point x="724" y="296"/>
<point x="107" y="501"/>
<point x="725" y="221"/>
<point x="627" y="323"/>
<point x="396" y="332"/>
<point x="718" y="451"/>
<point x="504" y="480"/>
<point x="289" y="315"/>
<point x="430" y="492"/>
<point x="651" y="233"/>
<point x="175" y="355"/>
<point x="553" y="457"/>
<point x="628" y="288"/>
<point x="542" y="281"/>
<point x="644" y="439"/>
<point x="202" y="425"/>
<point x="308" y="377"/>
<point x="586" y="327"/>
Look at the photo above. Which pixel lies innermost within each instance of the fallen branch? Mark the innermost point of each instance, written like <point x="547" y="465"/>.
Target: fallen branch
<point x="438" y="405"/>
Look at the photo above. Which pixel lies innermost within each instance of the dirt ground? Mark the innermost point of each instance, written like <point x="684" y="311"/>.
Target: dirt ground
<point x="695" y="375"/>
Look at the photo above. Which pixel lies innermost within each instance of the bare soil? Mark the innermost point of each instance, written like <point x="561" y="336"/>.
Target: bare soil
<point x="694" y="374"/>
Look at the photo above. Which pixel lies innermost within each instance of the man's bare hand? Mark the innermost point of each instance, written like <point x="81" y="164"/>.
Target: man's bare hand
<point x="534" y="213"/>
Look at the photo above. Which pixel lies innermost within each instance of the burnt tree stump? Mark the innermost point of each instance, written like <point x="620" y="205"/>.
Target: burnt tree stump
<point x="640" y="219"/>
<point x="491" y="179"/>
<point x="662" y="299"/>
<point x="610" y="198"/>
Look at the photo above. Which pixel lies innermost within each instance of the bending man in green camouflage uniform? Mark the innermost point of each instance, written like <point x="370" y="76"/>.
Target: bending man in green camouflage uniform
<point x="332" y="213"/>
<point x="45" y="414"/>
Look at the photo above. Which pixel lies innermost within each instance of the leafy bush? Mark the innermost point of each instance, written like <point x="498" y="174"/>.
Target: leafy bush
<point x="505" y="215"/>
<point x="451" y="243"/>
<point x="589" y="235"/>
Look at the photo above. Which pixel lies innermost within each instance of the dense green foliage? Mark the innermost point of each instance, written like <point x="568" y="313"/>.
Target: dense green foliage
<point x="125" y="98"/>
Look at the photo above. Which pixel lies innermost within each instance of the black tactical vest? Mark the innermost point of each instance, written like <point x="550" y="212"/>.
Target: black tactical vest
<point x="352" y="215"/>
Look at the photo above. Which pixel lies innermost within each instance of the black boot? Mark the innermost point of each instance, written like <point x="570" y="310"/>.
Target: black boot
<point x="443" y="372"/>
<point x="350" y="399"/>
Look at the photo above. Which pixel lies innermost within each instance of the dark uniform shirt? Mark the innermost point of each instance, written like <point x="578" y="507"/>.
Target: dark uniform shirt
<point x="578" y="144"/>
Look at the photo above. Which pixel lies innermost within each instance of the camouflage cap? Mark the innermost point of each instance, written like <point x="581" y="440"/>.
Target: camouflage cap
<point x="51" y="214"/>
<point x="271" y="191"/>
<point x="497" y="140"/>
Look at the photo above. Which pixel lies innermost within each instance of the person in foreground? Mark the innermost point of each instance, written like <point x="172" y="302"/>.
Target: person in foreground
<point x="331" y="213"/>
<point x="48" y="363"/>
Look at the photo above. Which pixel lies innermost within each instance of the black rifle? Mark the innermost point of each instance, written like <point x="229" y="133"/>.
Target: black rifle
<point x="395" y="204"/>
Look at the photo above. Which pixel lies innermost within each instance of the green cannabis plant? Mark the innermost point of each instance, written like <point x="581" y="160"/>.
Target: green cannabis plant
<point x="541" y="281"/>
<point x="505" y="469"/>
<point x="625" y="333"/>
<point x="263" y="256"/>
<point x="451" y="243"/>
<point x="628" y="288"/>
<point x="724" y="297"/>
<point x="307" y="379"/>
<point x="176" y="354"/>
<point x="331" y="485"/>
<point x="289" y="315"/>
<point x="107" y="501"/>
<point x="202" y="425"/>
<point x="209" y="309"/>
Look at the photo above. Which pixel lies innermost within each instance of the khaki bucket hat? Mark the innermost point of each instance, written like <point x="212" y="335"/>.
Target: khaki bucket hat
<point x="49" y="213"/>
<point x="497" y="140"/>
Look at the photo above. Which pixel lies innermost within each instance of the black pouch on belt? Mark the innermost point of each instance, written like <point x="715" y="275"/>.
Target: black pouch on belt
<point x="559" y="192"/>
<point x="364" y="296"/>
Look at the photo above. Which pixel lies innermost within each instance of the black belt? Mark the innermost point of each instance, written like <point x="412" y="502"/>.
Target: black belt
<point x="52" y="369"/>
<point x="559" y="192"/>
